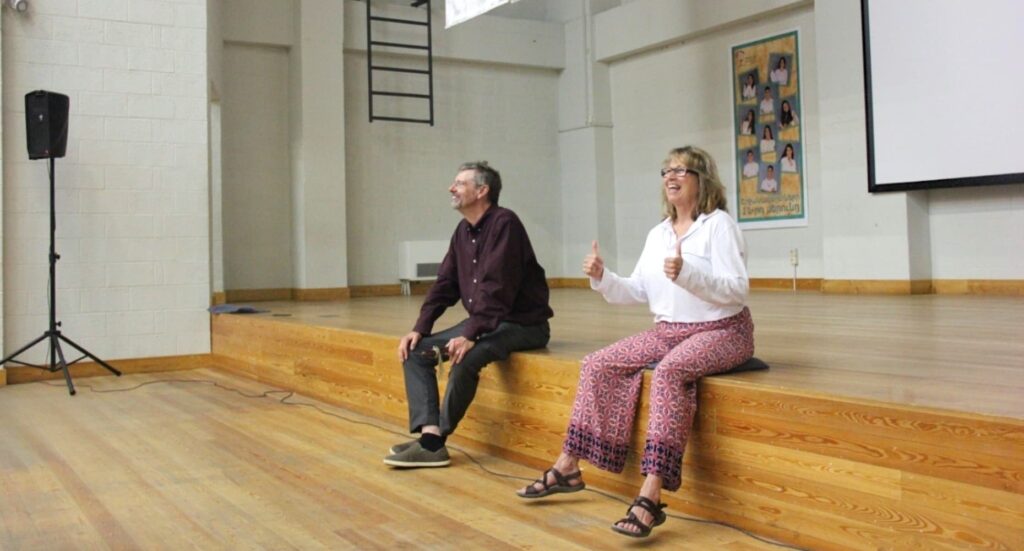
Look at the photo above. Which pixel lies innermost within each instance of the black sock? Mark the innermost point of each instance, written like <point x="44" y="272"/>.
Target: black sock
<point x="432" y="442"/>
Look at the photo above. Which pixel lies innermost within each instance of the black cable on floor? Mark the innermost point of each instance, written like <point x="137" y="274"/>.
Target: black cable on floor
<point x="288" y="394"/>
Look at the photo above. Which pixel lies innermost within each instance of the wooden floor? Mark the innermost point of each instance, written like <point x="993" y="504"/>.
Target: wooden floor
<point x="191" y="465"/>
<point x="962" y="353"/>
<point x="884" y="423"/>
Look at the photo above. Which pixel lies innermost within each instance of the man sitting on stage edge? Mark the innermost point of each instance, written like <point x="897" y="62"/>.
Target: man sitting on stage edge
<point x="491" y="266"/>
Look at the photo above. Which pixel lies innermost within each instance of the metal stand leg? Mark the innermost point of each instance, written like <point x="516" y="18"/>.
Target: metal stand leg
<point x="57" y="360"/>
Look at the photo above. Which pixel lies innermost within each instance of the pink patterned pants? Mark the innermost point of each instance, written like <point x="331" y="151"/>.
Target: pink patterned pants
<point x="609" y="391"/>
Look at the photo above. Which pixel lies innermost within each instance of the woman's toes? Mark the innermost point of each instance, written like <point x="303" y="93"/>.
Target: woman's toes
<point x="535" y="487"/>
<point x="629" y="526"/>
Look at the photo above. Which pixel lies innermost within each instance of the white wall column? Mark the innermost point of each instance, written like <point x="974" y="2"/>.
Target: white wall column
<point x="3" y="374"/>
<point x="318" y="143"/>
<point x="215" y="86"/>
<point x="585" y="148"/>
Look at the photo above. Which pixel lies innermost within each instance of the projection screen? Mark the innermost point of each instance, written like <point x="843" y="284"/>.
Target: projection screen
<point x="944" y="92"/>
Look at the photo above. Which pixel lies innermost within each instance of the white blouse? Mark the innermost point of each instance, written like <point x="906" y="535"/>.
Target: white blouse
<point x="712" y="285"/>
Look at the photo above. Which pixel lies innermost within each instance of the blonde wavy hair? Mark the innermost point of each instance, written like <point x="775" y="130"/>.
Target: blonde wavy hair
<point x="710" y="191"/>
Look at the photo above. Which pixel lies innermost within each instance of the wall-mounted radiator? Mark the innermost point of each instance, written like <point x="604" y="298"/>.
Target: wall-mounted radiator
<point x="419" y="261"/>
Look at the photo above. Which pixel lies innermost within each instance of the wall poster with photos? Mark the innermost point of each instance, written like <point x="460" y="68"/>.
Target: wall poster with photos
<point x="771" y="189"/>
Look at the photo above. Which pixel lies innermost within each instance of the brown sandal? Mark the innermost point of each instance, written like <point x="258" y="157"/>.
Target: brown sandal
<point x="656" y="511"/>
<point x="561" y="485"/>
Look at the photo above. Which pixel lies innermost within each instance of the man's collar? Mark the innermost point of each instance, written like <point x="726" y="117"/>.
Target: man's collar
<point x="483" y="218"/>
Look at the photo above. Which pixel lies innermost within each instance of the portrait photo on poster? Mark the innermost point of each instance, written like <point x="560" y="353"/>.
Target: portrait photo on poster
<point x="787" y="114"/>
<point x="749" y="123"/>
<point x="789" y="162"/>
<point x="780" y="69"/>
<point x="767" y="101"/>
<point x="749" y="86"/>
<point x="769" y="184"/>
<point x="751" y="168"/>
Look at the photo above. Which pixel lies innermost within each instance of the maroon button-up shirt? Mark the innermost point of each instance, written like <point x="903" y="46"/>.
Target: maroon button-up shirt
<point x="492" y="268"/>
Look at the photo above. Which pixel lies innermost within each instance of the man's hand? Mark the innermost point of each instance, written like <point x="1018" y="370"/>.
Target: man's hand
<point x="674" y="263"/>
<point x="458" y="348"/>
<point x="407" y="343"/>
<point x="593" y="264"/>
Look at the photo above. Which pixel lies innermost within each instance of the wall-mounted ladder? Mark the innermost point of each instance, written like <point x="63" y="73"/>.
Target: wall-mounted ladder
<point x="371" y="68"/>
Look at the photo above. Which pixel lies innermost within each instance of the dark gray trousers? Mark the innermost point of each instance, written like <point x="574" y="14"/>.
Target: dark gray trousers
<point x="421" y="373"/>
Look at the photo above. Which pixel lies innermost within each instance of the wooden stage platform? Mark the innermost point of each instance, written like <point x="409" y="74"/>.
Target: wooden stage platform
<point x="964" y="353"/>
<point x="884" y="422"/>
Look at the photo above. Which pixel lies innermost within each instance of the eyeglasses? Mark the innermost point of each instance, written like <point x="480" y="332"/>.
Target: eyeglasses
<point x="680" y="171"/>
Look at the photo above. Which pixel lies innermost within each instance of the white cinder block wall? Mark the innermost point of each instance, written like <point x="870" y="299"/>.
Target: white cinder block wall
<point x="277" y="76"/>
<point x="669" y="66"/>
<point x="977" y="232"/>
<point x="504" y="115"/>
<point x="658" y="80"/>
<point x="679" y="95"/>
<point x="256" y="207"/>
<point x="132" y="192"/>
<point x="496" y="90"/>
<point x="359" y="189"/>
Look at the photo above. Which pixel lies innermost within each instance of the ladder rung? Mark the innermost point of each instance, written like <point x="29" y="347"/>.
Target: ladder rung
<point x="427" y="49"/>
<point x="398" y="45"/>
<point x="402" y="119"/>
<point x="401" y="94"/>
<point x="396" y="20"/>
<point x="400" y="70"/>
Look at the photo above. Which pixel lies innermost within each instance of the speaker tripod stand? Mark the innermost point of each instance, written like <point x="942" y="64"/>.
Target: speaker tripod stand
<point x="53" y="335"/>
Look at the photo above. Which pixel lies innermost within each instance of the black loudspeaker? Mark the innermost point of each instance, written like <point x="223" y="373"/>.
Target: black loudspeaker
<point x="46" y="124"/>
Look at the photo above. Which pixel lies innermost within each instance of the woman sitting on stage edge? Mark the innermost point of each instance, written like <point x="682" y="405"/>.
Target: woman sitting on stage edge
<point x="692" y="272"/>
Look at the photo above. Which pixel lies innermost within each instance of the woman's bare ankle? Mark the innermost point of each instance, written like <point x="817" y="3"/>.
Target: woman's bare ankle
<point x="651" y="488"/>
<point x="566" y="464"/>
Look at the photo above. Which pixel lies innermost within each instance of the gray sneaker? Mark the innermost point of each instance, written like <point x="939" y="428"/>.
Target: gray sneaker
<point x="418" y="456"/>
<point x="399" y="448"/>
